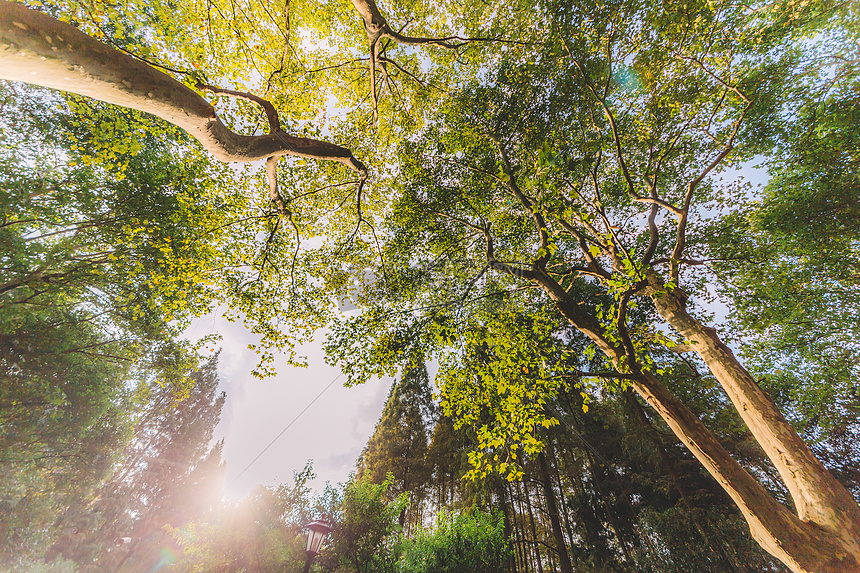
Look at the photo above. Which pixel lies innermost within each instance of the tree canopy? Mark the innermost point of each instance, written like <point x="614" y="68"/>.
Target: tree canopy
<point x="528" y="193"/>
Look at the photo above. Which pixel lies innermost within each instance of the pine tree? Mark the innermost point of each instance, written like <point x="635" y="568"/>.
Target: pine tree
<point x="399" y="443"/>
<point x="169" y="476"/>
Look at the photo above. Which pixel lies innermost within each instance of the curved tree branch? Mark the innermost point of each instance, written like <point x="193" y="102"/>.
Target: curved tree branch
<point x="271" y="162"/>
<point x="537" y="217"/>
<point x="271" y="112"/>
<point x="41" y="50"/>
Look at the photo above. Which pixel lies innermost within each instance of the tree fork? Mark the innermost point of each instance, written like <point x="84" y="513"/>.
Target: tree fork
<point x="819" y="498"/>
<point x="803" y="545"/>
<point x="38" y="49"/>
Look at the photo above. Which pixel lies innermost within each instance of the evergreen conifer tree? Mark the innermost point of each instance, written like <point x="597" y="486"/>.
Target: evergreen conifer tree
<point x="399" y="443"/>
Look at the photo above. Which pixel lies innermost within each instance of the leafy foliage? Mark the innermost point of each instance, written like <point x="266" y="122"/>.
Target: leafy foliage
<point x="472" y="541"/>
<point x="365" y="535"/>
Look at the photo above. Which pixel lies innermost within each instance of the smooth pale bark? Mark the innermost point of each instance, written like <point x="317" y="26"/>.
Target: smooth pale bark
<point x="377" y="28"/>
<point x="38" y="49"/>
<point x="803" y="544"/>
<point x="819" y="498"/>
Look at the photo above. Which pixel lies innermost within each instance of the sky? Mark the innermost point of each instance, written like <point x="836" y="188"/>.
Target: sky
<point x="331" y="432"/>
<point x="337" y="423"/>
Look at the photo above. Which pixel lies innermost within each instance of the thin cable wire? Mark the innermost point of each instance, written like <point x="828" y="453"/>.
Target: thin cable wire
<point x="330" y="384"/>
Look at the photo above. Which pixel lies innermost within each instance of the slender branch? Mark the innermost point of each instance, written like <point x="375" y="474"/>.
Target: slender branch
<point x="458" y="220"/>
<point x="38" y="276"/>
<point x="655" y="201"/>
<point x="593" y="265"/>
<point x="374" y="96"/>
<point x="335" y="66"/>
<point x="595" y="237"/>
<point x="75" y="229"/>
<point x="716" y="78"/>
<point x="268" y="246"/>
<point x="271" y="112"/>
<point x="610" y="117"/>
<point x="536" y="215"/>
<point x="653" y="234"/>
<point x="617" y="263"/>
<point x="19" y="222"/>
<point x="233" y="222"/>
<point x="402" y="69"/>
<point x="575" y="271"/>
<point x="623" y="332"/>
<point x="680" y="242"/>
<point x="506" y="268"/>
<point x="359" y="214"/>
<point x="286" y="31"/>
<point x="295" y="254"/>
<point x="448" y="42"/>
<point x="489" y="174"/>
<point x="324" y="188"/>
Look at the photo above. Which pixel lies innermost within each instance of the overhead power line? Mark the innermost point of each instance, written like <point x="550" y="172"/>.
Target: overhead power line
<point x="275" y="439"/>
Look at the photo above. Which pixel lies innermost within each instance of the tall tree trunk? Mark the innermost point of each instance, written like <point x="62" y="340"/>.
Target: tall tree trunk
<point x="506" y="512"/>
<point x="597" y="478"/>
<point x="525" y="557"/>
<point x="564" y="504"/>
<point x="534" y="543"/>
<point x="827" y="538"/>
<point x="597" y="475"/>
<point x="818" y="496"/>
<point x="590" y="522"/>
<point x="552" y="511"/>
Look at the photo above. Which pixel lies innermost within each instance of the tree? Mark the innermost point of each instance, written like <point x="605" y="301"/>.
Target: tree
<point x="398" y="446"/>
<point x="637" y="498"/>
<point x="91" y="285"/>
<point x="447" y="459"/>
<point x="466" y="542"/>
<point x="167" y="476"/>
<point x="364" y="536"/>
<point x="67" y="54"/>
<point x="571" y="164"/>
<point x="789" y="263"/>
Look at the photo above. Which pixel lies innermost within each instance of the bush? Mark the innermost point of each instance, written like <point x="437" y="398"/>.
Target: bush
<point x="473" y="542"/>
<point x="362" y="538"/>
